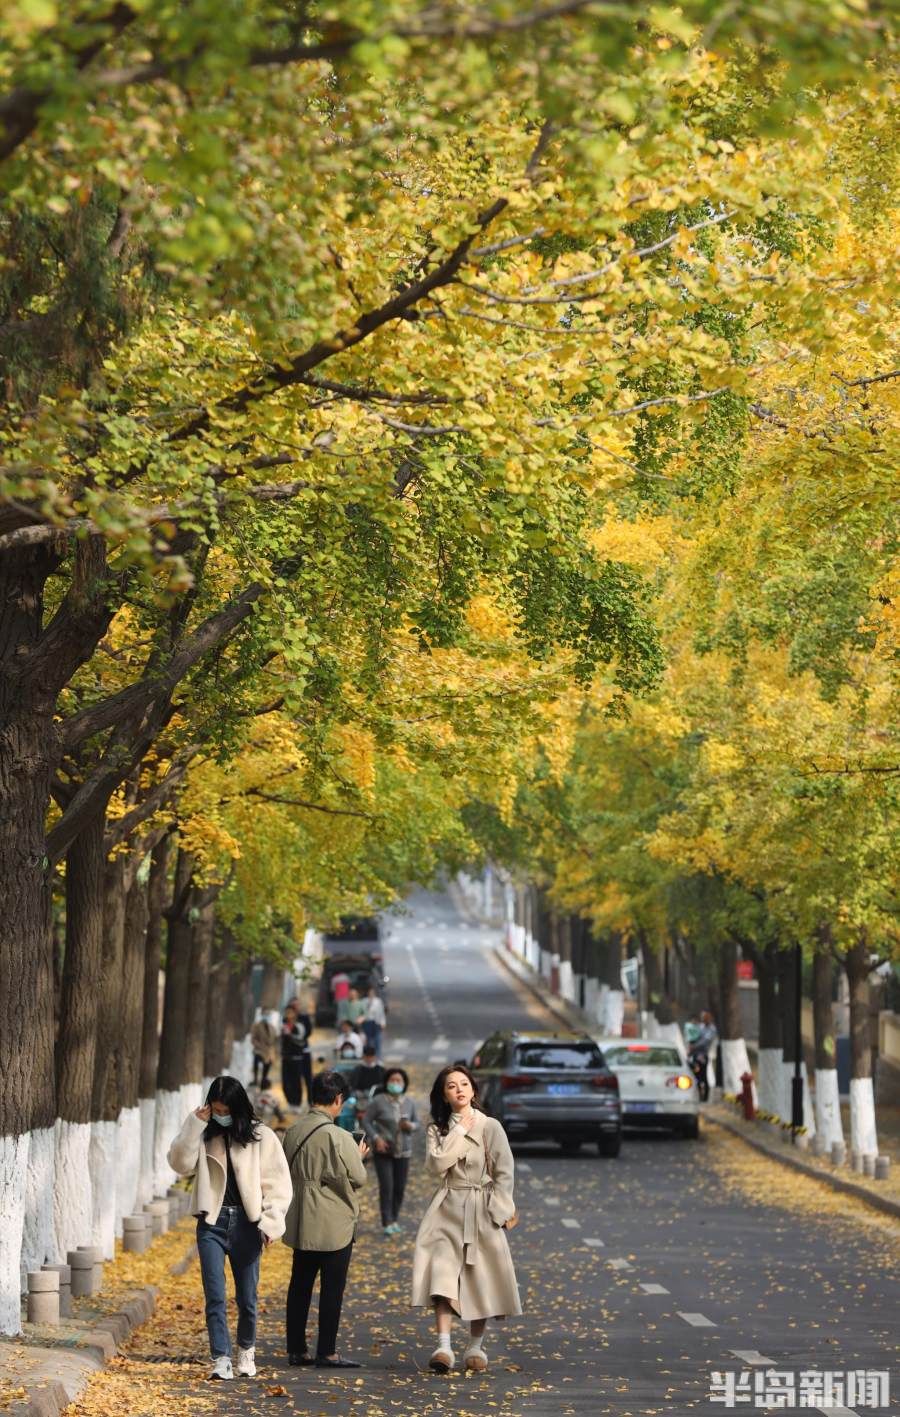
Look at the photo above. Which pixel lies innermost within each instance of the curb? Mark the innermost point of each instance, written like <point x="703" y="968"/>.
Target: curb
<point x="850" y="1188"/>
<point x="49" y="1397"/>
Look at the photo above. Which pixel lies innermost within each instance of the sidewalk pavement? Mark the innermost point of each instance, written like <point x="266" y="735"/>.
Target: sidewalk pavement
<point x="882" y="1195"/>
<point x="46" y="1367"/>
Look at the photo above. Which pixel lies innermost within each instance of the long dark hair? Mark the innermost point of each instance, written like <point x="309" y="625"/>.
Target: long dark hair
<point x="245" y="1124"/>
<point x="441" y="1111"/>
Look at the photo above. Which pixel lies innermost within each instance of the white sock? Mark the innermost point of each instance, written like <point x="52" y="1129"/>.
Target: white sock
<point x="444" y="1343"/>
<point x="475" y="1344"/>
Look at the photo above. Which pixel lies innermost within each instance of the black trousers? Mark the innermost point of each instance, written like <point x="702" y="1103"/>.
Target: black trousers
<point x="261" y="1071"/>
<point x="294" y="1072"/>
<point x="331" y="1266"/>
<point x="392" y="1172"/>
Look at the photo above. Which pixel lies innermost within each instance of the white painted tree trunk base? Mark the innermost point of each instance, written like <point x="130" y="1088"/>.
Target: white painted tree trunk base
<point x="809" y="1116"/>
<point x="192" y="1097"/>
<point x="829" y="1126"/>
<point x="102" y="1157"/>
<point x="128" y="1163"/>
<point x="73" y="1219"/>
<point x="240" y="1064"/>
<point x="167" y="1124"/>
<point x="13" y="1185"/>
<point x="147" y="1111"/>
<point x="671" y="1033"/>
<point x="39" y="1238"/>
<point x="863" y="1132"/>
<point x="770" y="1070"/>
<point x="566" y="981"/>
<point x="615" y="1013"/>
<point x="735" y="1062"/>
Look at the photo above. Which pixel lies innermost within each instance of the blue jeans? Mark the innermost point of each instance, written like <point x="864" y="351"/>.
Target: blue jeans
<point x="372" y="1033"/>
<point x="232" y="1234"/>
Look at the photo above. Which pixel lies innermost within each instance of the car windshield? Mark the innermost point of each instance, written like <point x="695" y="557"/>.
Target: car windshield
<point x="559" y="1055"/>
<point x="643" y="1056"/>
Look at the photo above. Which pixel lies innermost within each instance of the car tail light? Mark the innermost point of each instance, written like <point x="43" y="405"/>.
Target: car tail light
<point x="512" y="1082"/>
<point x="606" y="1080"/>
<point x="681" y="1081"/>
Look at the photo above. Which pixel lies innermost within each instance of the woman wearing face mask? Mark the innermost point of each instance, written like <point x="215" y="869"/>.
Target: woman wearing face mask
<point x="389" y="1121"/>
<point x="242" y="1189"/>
<point x="462" y="1263"/>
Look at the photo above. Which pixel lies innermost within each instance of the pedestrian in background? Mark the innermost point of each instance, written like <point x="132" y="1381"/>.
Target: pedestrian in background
<point x="349" y="1043"/>
<point x="327" y="1172"/>
<point x="352" y="1008"/>
<point x="368" y="1075"/>
<point x="264" y="1040"/>
<point x="374" y="1019"/>
<point x="390" y="1119"/>
<point x="462" y="1263"/>
<point x="296" y="1062"/>
<point x="240" y="1203"/>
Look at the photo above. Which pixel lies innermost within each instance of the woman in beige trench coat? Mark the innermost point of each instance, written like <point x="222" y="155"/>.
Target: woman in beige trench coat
<point x="462" y="1263"/>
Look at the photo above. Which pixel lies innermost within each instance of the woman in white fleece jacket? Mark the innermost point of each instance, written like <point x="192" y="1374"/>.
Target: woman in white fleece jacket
<point x="242" y="1189"/>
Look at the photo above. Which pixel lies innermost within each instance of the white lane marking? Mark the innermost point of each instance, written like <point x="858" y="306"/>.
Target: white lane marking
<point x="837" y="1411"/>
<point x="571" y="1223"/>
<point x="551" y="1200"/>
<point x="696" y="1320"/>
<point x="523" y="1166"/>
<point x="441" y="1042"/>
<point x="752" y="1357"/>
<point x="619" y="1264"/>
<point x="401" y="1042"/>
<point x="654" y="1289"/>
<point x="596" y="1244"/>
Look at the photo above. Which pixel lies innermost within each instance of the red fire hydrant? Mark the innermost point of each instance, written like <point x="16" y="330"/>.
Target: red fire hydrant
<point x="747" y="1096"/>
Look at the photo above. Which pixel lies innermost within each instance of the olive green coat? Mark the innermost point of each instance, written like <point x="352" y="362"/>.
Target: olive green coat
<point x="326" y="1176"/>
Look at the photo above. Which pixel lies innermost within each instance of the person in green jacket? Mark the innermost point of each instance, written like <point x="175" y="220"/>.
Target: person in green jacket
<point x="327" y="1172"/>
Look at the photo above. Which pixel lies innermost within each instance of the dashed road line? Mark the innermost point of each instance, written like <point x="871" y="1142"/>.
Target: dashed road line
<point x="696" y="1320"/>
<point x="619" y="1264"/>
<point x="571" y="1223"/>
<point x="654" y="1288"/>
<point x="596" y="1244"/>
<point x="551" y="1200"/>
<point x="752" y="1358"/>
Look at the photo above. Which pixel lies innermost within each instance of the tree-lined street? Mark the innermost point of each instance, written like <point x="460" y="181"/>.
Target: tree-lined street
<point x="641" y="1276"/>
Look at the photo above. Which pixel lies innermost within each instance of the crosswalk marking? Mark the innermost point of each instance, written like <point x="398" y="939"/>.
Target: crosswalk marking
<point x="619" y="1264"/>
<point x="696" y="1320"/>
<point x="752" y="1357"/>
<point x="654" y="1289"/>
<point x="596" y="1244"/>
<point x="551" y="1200"/>
<point x="571" y="1223"/>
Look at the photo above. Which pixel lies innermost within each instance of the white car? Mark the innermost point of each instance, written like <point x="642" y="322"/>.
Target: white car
<point x="656" y="1084"/>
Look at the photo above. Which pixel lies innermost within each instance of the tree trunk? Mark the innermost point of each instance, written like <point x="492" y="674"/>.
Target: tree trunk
<point x="863" y="1132"/>
<point x="107" y="1082"/>
<point x="170" y="1110"/>
<point x="198" y="990"/>
<point x="735" y="1059"/>
<point x="829" y="1128"/>
<point x="128" y="1138"/>
<point x="272" y="989"/>
<point x="157" y="891"/>
<point x="789" y="1005"/>
<point x="76" y="1045"/>
<point x="771" y="1058"/>
<point x="214" y="1041"/>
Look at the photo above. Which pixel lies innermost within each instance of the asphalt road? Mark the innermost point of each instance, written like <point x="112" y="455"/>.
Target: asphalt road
<point x="641" y="1276"/>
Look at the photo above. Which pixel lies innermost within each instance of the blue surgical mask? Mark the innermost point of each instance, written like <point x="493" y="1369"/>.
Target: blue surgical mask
<point x="222" y="1121"/>
<point x="395" y="1088"/>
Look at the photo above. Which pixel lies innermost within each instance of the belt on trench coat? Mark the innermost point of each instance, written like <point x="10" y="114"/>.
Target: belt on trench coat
<point x="470" y="1222"/>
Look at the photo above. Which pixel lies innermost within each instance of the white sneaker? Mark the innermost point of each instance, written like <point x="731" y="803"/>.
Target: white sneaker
<point x="246" y="1363"/>
<point x="221" y="1369"/>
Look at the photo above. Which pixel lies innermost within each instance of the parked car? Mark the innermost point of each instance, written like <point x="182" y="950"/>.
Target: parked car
<point x="550" y="1086"/>
<point x="656" y="1084"/>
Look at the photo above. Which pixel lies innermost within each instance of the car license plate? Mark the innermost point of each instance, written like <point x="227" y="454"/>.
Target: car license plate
<point x="640" y="1107"/>
<point x="562" y="1089"/>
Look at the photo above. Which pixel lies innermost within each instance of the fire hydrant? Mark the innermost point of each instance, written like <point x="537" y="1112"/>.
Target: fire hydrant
<point x="747" y="1096"/>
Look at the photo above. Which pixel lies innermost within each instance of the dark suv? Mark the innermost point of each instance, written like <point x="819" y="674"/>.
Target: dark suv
<point x="550" y="1086"/>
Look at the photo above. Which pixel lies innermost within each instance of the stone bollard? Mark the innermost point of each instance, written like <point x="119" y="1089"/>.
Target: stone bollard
<point x="43" y="1297"/>
<point x="82" y="1269"/>
<point x="838" y="1153"/>
<point x="869" y="1164"/>
<point x="177" y="1198"/>
<point x="65" y="1287"/>
<point x="96" y="1255"/>
<point x="882" y="1168"/>
<point x="856" y="1161"/>
<point x="818" y="1147"/>
<point x="802" y="1142"/>
<point x="158" y="1210"/>
<point x="137" y="1232"/>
